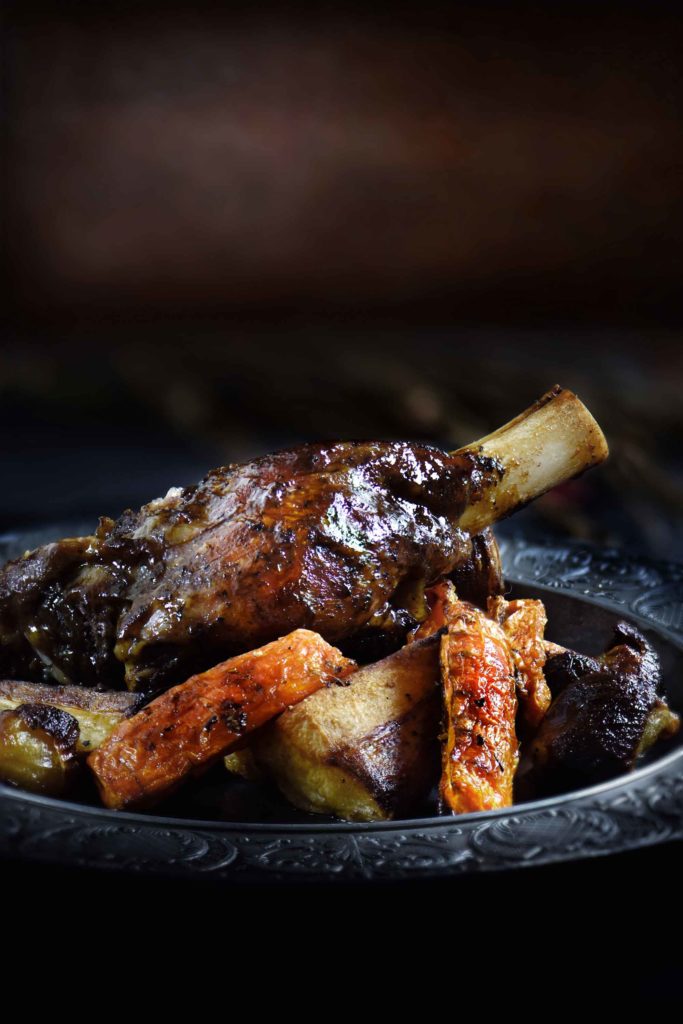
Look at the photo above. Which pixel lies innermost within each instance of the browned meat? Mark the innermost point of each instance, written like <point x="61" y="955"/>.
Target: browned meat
<point x="481" y="576"/>
<point x="332" y="538"/>
<point x="338" y="538"/>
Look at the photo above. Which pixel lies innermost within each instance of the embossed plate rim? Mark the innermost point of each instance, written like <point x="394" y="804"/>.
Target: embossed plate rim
<point x="399" y="824"/>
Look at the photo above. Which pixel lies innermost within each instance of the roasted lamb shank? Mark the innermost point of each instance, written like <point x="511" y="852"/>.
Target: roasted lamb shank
<point x="340" y="538"/>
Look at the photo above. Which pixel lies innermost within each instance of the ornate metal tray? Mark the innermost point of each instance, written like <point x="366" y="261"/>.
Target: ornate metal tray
<point x="585" y="591"/>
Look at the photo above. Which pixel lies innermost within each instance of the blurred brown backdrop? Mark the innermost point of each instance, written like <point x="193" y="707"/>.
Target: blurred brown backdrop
<point x="330" y="157"/>
<point x="232" y="229"/>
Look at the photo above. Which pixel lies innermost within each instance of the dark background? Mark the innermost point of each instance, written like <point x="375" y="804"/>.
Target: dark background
<point x="229" y="229"/>
<point x="235" y="228"/>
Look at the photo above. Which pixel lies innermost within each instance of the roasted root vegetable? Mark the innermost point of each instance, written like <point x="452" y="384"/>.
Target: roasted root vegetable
<point x="605" y="713"/>
<point x="480" y="748"/>
<point x="480" y="751"/>
<point x="367" y="752"/>
<point x="38" y="748"/>
<point x="523" y="622"/>
<point x="45" y="731"/>
<point x="97" y="713"/>
<point x="441" y="600"/>
<point x="196" y="723"/>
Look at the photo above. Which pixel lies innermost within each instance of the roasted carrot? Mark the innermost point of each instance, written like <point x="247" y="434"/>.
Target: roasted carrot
<point x="480" y="750"/>
<point x="194" y="724"/>
<point x="440" y="599"/>
<point x="523" y="622"/>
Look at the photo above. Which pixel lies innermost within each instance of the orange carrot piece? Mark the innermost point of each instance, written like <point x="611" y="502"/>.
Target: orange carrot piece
<point x="523" y="621"/>
<point x="480" y="751"/>
<point x="195" y="724"/>
<point x="440" y="599"/>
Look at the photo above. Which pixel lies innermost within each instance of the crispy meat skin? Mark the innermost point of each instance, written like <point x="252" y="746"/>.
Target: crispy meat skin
<point x="193" y="725"/>
<point x="336" y="538"/>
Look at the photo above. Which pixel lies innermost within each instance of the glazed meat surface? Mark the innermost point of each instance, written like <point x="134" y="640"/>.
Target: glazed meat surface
<point x="337" y="538"/>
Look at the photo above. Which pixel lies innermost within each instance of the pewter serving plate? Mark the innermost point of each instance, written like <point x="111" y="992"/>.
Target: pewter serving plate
<point x="232" y="830"/>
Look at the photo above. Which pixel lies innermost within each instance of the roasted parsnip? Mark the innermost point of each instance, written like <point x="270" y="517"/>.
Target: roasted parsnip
<point x="97" y="713"/>
<point x="367" y="752"/>
<point x="38" y="748"/>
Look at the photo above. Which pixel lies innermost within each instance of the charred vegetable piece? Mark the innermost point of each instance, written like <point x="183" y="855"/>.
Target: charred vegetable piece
<point x="365" y="752"/>
<point x="661" y="724"/>
<point x="606" y="711"/>
<point x="441" y="601"/>
<point x="480" y="752"/>
<point x="97" y="713"/>
<point x="564" y="666"/>
<point x="198" y="722"/>
<point x="38" y="748"/>
<point x="523" y="622"/>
